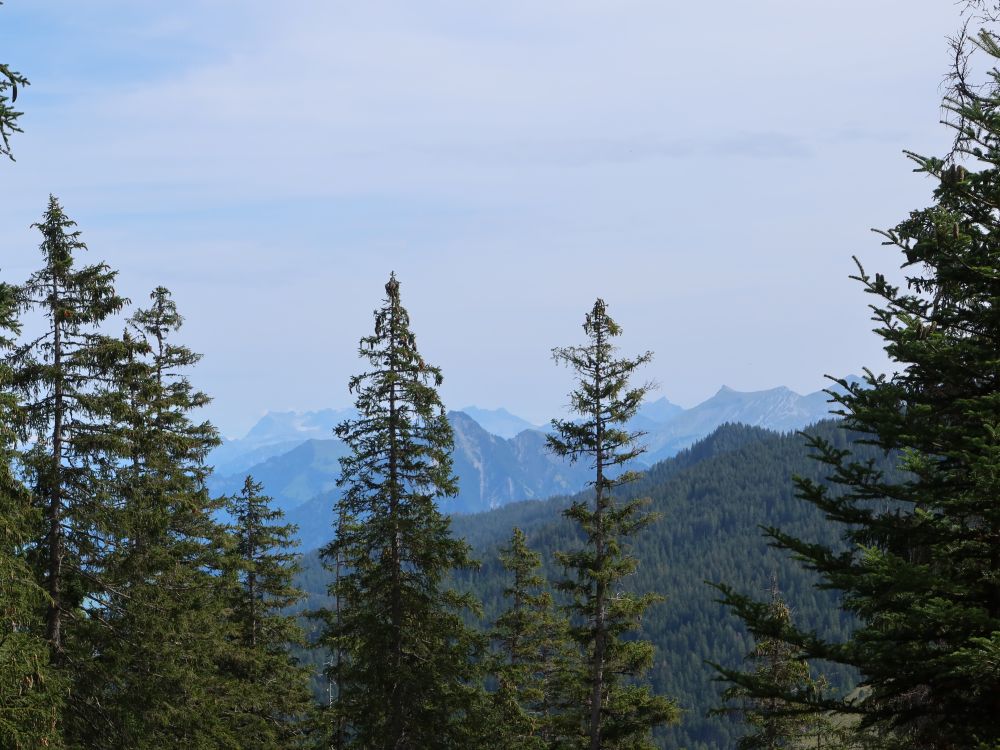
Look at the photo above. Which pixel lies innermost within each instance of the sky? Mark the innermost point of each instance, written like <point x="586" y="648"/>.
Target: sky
<point x="709" y="169"/>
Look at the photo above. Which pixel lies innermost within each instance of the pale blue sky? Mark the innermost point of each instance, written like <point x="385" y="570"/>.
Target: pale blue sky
<point x="707" y="168"/>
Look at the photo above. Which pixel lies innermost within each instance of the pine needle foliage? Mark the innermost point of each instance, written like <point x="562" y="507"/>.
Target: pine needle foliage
<point x="609" y="707"/>
<point x="923" y="568"/>
<point x="409" y="678"/>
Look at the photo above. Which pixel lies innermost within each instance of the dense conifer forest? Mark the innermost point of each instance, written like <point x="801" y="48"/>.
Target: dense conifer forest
<point x="835" y="589"/>
<point x="712" y="501"/>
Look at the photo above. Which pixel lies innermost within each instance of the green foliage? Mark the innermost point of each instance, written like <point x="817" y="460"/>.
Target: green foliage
<point x="605" y="706"/>
<point x="10" y="80"/>
<point x="270" y="689"/>
<point x="160" y="624"/>
<point x="408" y="677"/>
<point x="776" y="723"/>
<point x="29" y="691"/>
<point x="533" y="653"/>
<point x="68" y="462"/>
<point x="59" y="376"/>
<point x="713" y="499"/>
<point x="922" y="570"/>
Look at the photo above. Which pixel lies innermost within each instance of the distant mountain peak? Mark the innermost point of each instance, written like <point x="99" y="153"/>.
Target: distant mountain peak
<point x="499" y="421"/>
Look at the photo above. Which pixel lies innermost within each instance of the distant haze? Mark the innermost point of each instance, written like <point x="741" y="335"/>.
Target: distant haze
<point x="707" y="168"/>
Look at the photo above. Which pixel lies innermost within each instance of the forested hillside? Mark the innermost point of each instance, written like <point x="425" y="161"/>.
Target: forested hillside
<point x="713" y="499"/>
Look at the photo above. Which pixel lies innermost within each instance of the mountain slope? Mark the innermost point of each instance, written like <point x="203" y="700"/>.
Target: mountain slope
<point x="499" y="421"/>
<point x="292" y="478"/>
<point x="713" y="498"/>
<point x="493" y="470"/>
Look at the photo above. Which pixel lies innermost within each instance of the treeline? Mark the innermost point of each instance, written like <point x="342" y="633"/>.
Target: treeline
<point x="132" y="616"/>
<point x="710" y="502"/>
<point x="142" y="612"/>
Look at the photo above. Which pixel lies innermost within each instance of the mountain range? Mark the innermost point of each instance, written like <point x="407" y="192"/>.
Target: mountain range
<point x="499" y="457"/>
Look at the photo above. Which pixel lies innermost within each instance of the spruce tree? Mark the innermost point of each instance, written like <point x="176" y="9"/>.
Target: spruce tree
<point x="922" y="566"/>
<point x="29" y="691"/>
<point x="9" y="82"/>
<point x="775" y="723"/>
<point x="273" y="691"/>
<point x="614" y="710"/>
<point x="163" y="629"/>
<point x="409" y="677"/>
<point x="61" y="378"/>
<point x="532" y="653"/>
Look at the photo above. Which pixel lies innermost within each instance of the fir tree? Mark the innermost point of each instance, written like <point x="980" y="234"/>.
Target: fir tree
<point x="922" y="569"/>
<point x="61" y="378"/>
<point x="533" y="652"/>
<point x="162" y="624"/>
<point x="774" y="722"/>
<point x="29" y="695"/>
<point x="273" y="691"/>
<point x="409" y="675"/>
<point x="619" y="712"/>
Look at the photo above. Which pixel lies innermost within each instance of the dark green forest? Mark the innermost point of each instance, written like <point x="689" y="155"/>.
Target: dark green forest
<point x="713" y="498"/>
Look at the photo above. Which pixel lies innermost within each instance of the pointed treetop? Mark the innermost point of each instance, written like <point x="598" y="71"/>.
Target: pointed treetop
<point x="392" y="287"/>
<point x="599" y="320"/>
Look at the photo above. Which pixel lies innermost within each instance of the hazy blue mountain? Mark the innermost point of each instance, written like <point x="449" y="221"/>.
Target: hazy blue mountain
<point x="659" y="411"/>
<point x="234" y="457"/>
<point x="492" y="471"/>
<point x="295" y="456"/>
<point x="779" y="409"/>
<point x="292" y="478"/>
<point x="276" y="433"/>
<point x="499" y="421"/>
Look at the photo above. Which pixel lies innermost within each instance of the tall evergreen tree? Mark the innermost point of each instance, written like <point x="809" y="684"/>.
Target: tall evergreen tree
<point x="618" y="711"/>
<point x="61" y="377"/>
<point x="409" y="677"/>
<point x="533" y="653"/>
<point x="29" y="695"/>
<point x="273" y="691"/>
<point x="922" y="568"/>
<point x="162" y="629"/>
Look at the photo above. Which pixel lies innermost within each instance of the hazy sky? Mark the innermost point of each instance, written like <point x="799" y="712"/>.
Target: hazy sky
<point x="707" y="168"/>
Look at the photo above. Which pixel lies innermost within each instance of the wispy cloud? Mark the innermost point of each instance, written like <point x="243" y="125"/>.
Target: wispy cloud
<point x="497" y="154"/>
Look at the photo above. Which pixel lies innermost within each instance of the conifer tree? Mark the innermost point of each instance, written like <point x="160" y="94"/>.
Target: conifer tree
<point x="922" y="567"/>
<point x="774" y="722"/>
<point x="60" y="377"/>
<point x="273" y="691"/>
<point x="10" y="80"/>
<point x="617" y="711"/>
<point x="162" y="629"/>
<point x="409" y="677"/>
<point x="533" y="652"/>
<point x="29" y="694"/>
